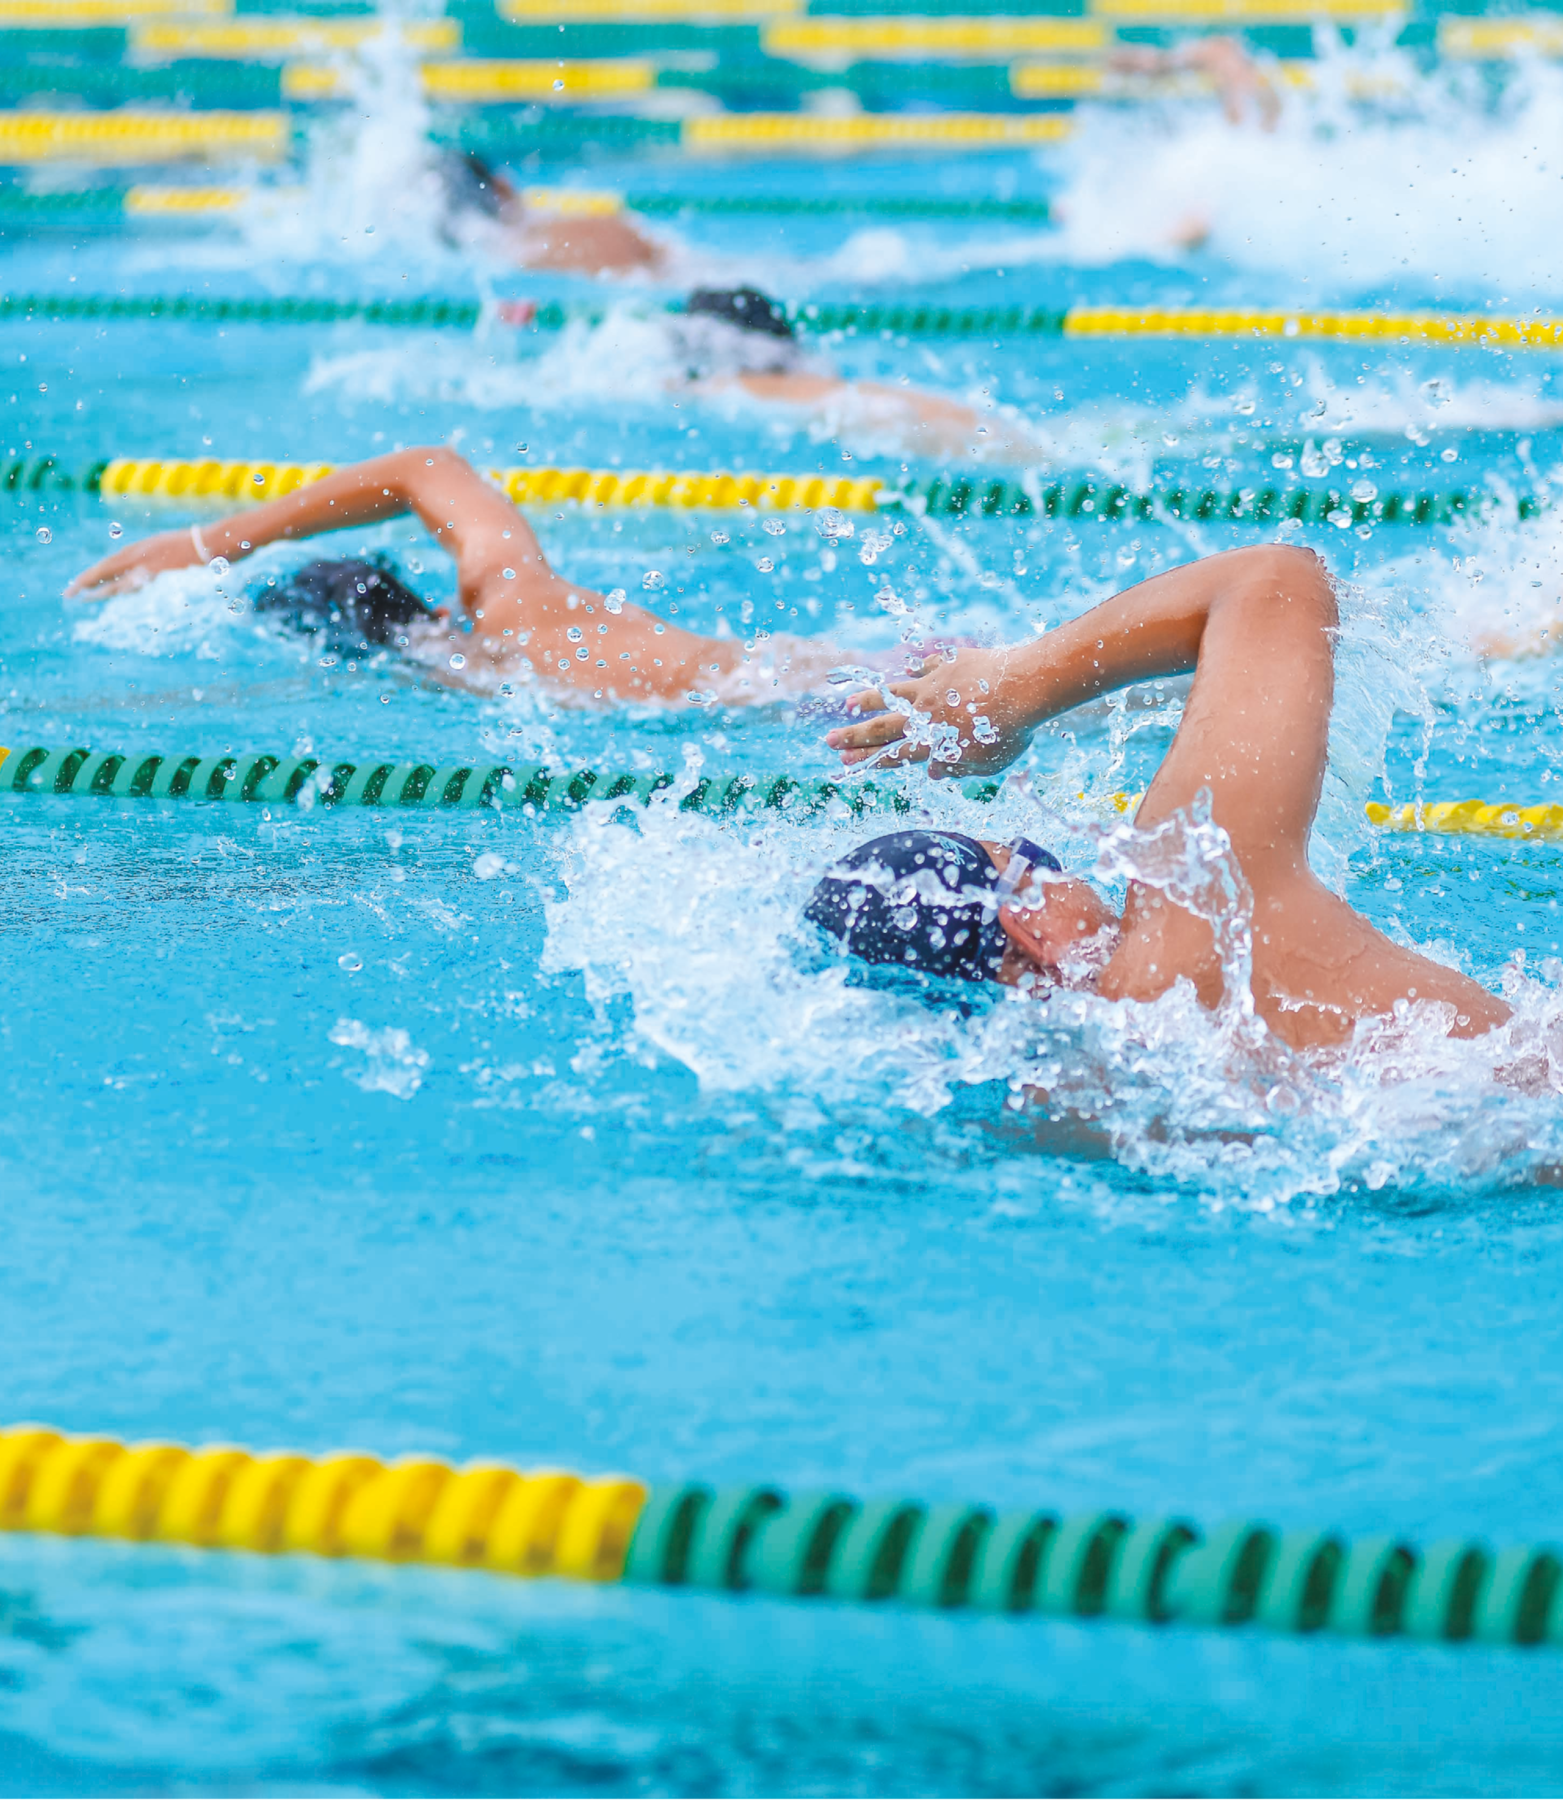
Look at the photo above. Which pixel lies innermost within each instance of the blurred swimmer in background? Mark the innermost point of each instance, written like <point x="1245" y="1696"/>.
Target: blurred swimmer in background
<point x="555" y="228"/>
<point x="738" y="344"/>
<point x="526" y="620"/>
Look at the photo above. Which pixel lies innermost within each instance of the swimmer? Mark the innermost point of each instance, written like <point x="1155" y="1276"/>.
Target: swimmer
<point x="526" y="620"/>
<point x="1257" y="629"/>
<point x="729" y="339"/>
<point x="482" y="204"/>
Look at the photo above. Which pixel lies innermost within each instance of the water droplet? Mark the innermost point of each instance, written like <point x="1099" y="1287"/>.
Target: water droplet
<point x="350" y="961"/>
<point x="509" y="574"/>
<point x="583" y="653"/>
<point x="520" y="449"/>
<point x="952" y="698"/>
<point x="45" y="535"/>
<point x="219" y="565"/>
<point x="653" y="578"/>
<point x="719" y="537"/>
<point x="457" y="660"/>
<point x="614" y="601"/>
<point x="258" y="479"/>
<point x="575" y="634"/>
<point x="116" y="530"/>
<point x="774" y="527"/>
<point x="558" y="87"/>
<point x="765" y="565"/>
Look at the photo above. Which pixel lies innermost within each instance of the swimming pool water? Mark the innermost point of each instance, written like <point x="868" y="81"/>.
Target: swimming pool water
<point x="321" y="1131"/>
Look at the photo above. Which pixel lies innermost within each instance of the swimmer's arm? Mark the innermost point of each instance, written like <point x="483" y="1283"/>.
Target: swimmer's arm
<point x="446" y="493"/>
<point x="1257" y="626"/>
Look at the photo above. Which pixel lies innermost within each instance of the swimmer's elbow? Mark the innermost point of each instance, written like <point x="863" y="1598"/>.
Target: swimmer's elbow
<point x="1293" y="575"/>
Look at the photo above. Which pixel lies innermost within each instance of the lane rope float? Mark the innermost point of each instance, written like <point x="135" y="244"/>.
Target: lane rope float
<point x="761" y="1539"/>
<point x="69" y="208"/>
<point x="1084" y="499"/>
<point x="535" y="789"/>
<point x="825" y="317"/>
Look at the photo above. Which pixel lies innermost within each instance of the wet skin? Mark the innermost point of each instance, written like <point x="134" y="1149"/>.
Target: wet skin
<point x="1257" y="628"/>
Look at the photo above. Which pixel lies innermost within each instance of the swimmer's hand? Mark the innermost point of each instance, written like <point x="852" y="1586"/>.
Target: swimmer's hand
<point x="953" y="716"/>
<point x="134" y="566"/>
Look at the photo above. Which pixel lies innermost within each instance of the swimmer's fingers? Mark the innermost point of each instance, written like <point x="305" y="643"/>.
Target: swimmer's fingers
<point x="133" y="566"/>
<point x="870" y="737"/>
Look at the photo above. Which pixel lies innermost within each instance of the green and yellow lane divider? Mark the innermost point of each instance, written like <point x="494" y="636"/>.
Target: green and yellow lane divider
<point x="142" y="136"/>
<point x="69" y="209"/>
<point x="263" y="779"/>
<point x="63" y="15"/>
<point x="894" y="319"/>
<point x="760" y="1539"/>
<point x="257" y="37"/>
<point x="213" y="481"/>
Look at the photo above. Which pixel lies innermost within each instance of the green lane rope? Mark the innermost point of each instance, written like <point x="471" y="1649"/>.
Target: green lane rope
<point x="1080" y="499"/>
<point x="536" y="790"/>
<point x="67" y="209"/>
<point x="826" y="318"/>
<point x="826" y="1544"/>
<point x="529" y="789"/>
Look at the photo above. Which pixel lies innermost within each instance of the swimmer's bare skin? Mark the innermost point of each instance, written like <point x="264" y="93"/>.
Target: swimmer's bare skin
<point x="522" y="612"/>
<point x="1257" y="627"/>
<point x="928" y="424"/>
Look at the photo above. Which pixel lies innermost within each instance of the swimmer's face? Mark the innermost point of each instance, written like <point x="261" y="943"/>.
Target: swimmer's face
<point x="1059" y="914"/>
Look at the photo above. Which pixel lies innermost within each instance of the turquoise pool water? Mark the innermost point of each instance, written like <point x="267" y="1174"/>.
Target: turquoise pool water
<point x="495" y="1137"/>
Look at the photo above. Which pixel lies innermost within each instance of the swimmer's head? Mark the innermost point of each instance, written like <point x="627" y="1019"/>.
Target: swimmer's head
<point x="725" y="332"/>
<point x="745" y="307"/>
<point x="350" y="607"/>
<point x="924" y="900"/>
<point x="470" y="185"/>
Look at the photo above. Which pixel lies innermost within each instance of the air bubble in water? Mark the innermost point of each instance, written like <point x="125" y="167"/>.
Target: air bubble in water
<point x="45" y="535"/>
<point x="116" y="530"/>
<point x="653" y="578"/>
<point x="614" y="601"/>
<point x="350" y="962"/>
<point x="457" y="660"/>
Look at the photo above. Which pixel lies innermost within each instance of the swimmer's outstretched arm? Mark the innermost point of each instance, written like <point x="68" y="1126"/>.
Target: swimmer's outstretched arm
<point x="521" y="611"/>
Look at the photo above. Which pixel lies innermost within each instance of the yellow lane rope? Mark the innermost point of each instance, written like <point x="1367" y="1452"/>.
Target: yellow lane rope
<point x="236" y="483"/>
<point x="1243" y="12"/>
<point x="1424" y="327"/>
<point x="829" y="133"/>
<point x="1472" y="818"/>
<point x="705" y="12"/>
<point x="987" y="39"/>
<point x="509" y="1521"/>
<point x="136" y="137"/>
<point x="1497" y="39"/>
<point x="260" y="39"/>
<point x="62" y="15"/>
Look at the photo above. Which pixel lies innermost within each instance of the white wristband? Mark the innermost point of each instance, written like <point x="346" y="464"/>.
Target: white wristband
<point x="200" y="544"/>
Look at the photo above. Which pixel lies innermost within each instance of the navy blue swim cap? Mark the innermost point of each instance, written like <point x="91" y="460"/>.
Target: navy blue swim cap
<point x="925" y="900"/>
<point x="347" y="606"/>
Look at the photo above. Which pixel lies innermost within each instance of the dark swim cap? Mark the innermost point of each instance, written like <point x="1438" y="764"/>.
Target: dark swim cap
<point x="470" y="184"/>
<point x="348" y="606"/>
<point x="925" y="900"/>
<point x="745" y="307"/>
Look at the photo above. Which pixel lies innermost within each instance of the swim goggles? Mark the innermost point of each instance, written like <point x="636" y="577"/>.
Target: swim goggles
<point x="1024" y="857"/>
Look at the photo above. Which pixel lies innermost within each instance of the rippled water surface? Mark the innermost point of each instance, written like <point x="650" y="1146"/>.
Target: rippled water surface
<point x="549" y="1141"/>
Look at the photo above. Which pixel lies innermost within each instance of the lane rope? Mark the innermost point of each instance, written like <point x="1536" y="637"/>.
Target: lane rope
<point x="214" y="481"/>
<point x="535" y="789"/>
<point x="824" y="1544"/>
<point x="911" y="319"/>
<point x="68" y="207"/>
